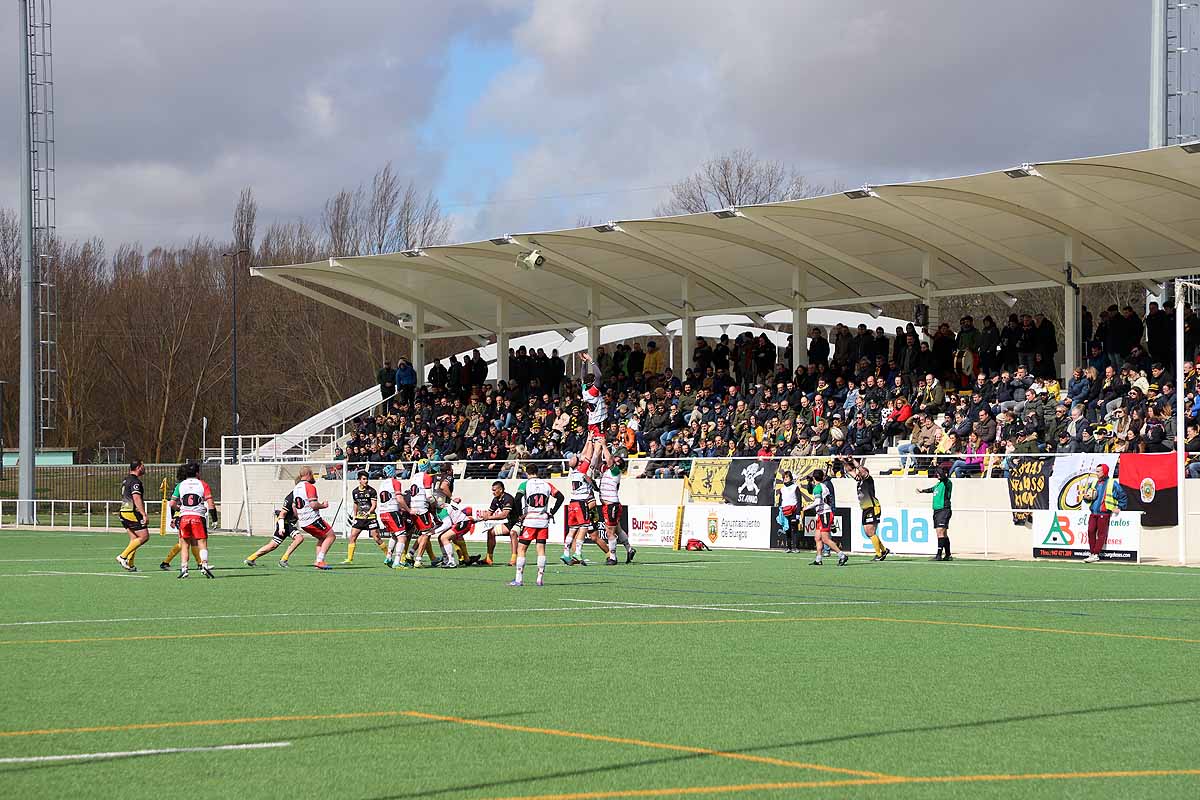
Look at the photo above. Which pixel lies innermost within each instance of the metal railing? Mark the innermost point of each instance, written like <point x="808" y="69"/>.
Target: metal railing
<point x="75" y="514"/>
<point x="284" y="448"/>
<point x="97" y="482"/>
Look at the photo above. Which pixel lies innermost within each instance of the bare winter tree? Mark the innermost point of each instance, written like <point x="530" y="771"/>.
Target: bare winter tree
<point x="342" y="223"/>
<point x="738" y="178"/>
<point x="244" y="217"/>
<point x="398" y="217"/>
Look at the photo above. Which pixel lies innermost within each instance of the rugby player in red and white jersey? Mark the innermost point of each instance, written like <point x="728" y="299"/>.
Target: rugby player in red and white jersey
<point x="420" y="506"/>
<point x="610" y="505"/>
<point x="458" y="523"/>
<point x="194" y="501"/>
<point x="535" y="497"/>
<point x="593" y="398"/>
<point x="395" y="521"/>
<point x="308" y="517"/>
<point x="580" y="525"/>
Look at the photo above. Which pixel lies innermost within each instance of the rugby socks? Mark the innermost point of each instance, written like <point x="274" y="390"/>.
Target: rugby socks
<point x="461" y="547"/>
<point x="350" y="551"/>
<point x="541" y="566"/>
<point x="204" y="556"/>
<point x="521" y="567"/>
<point x="195" y="552"/>
<point x="944" y="546"/>
<point x="878" y="545"/>
<point x="174" y="551"/>
<point x="384" y="548"/>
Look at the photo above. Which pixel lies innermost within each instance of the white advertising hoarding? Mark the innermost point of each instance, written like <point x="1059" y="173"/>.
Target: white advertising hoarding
<point x="1064" y="534"/>
<point x="729" y="527"/>
<point x="904" y="531"/>
<point x="652" y="526"/>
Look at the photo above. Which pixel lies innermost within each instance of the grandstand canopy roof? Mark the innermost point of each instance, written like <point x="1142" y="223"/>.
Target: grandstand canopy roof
<point x="1120" y="217"/>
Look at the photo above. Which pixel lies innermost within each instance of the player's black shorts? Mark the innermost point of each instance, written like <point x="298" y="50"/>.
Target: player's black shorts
<point x="289" y="530"/>
<point x="870" y="516"/>
<point x="132" y="521"/>
<point x="366" y="523"/>
<point x="941" y="518"/>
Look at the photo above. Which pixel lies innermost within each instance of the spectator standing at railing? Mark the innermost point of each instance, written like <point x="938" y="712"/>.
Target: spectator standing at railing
<point x="405" y="380"/>
<point x="386" y="377"/>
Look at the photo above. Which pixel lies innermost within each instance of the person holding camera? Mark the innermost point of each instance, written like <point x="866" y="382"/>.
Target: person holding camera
<point x="1104" y="497"/>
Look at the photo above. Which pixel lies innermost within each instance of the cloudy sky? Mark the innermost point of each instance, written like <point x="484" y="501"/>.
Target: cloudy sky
<point x="527" y="114"/>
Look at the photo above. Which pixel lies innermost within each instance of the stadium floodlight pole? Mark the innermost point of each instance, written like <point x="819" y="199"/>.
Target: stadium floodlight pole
<point x="28" y="409"/>
<point x="1180" y="424"/>
<point x="237" y="263"/>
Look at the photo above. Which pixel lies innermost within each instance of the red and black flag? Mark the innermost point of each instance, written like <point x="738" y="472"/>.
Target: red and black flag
<point x="1150" y="481"/>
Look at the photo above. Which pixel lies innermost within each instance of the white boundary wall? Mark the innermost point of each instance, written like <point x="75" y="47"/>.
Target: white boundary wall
<point x="982" y="522"/>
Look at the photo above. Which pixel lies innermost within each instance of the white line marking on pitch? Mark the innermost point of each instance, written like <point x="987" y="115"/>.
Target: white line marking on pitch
<point x="134" y="753"/>
<point x="53" y="574"/>
<point x="313" y="614"/>
<point x="963" y="602"/>
<point x="618" y="604"/>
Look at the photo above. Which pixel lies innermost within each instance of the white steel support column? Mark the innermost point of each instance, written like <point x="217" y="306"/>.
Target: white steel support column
<point x="418" y="343"/>
<point x="1180" y="426"/>
<point x="593" y="329"/>
<point x="1158" y="74"/>
<point x="687" y="330"/>
<point x="799" y="318"/>
<point x="501" y="340"/>
<point x="928" y="259"/>
<point x="1073" y="251"/>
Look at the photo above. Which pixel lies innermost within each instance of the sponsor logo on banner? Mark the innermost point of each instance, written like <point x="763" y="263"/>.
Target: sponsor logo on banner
<point x="706" y="482"/>
<point x="904" y="531"/>
<point x="808" y="522"/>
<point x="736" y="527"/>
<point x="1073" y="474"/>
<point x="1063" y="534"/>
<point x="652" y="525"/>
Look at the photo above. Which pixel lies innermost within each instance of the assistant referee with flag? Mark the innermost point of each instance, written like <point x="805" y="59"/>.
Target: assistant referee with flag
<point x="1105" y="497"/>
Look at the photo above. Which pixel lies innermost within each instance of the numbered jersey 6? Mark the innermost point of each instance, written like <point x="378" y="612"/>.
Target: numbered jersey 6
<point x="193" y="495"/>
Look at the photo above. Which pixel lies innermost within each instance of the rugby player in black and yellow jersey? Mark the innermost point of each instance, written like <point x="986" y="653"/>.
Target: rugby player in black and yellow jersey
<point x="366" y="501"/>
<point x="133" y="514"/>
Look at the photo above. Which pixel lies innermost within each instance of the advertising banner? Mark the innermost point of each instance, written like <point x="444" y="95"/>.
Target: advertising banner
<point x="652" y="525"/>
<point x="1151" y="486"/>
<point x="779" y="539"/>
<point x="729" y="527"/>
<point x="706" y="481"/>
<point x="1028" y="485"/>
<point x="1063" y="534"/>
<point x="904" y="531"/>
<point x="1072" y="474"/>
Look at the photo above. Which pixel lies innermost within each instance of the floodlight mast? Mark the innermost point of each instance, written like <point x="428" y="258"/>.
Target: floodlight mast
<point x="28" y="417"/>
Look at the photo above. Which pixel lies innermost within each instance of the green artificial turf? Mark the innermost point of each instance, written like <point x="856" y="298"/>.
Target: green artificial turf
<point x="810" y="682"/>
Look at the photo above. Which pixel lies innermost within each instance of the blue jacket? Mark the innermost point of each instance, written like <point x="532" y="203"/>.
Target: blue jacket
<point x="1119" y="495"/>
<point x="406" y="375"/>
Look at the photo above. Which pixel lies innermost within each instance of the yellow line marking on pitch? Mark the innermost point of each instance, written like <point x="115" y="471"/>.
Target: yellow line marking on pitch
<point x="594" y="624"/>
<point x="418" y="629"/>
<point x="592" y="737"/>
<point x="889" y="781"/>
<point x="478" y="723"/>
<point x="1063" y="631"/>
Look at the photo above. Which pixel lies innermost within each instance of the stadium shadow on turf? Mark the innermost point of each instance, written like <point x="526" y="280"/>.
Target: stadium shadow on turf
<point x="683" y="757"/>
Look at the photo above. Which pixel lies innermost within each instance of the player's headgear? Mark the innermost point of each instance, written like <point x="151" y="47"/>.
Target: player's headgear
<point x="423" y="465"/>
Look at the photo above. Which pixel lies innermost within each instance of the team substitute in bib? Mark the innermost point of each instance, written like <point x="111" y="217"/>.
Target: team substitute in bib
<point x="788" y="498"/>
<point x="193" y="498"/>
<point x="535" y="497"/>
<point x="133" y="514"/>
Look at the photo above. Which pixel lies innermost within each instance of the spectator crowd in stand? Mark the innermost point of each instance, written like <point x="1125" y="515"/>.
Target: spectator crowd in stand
<point x="965" y="396"/>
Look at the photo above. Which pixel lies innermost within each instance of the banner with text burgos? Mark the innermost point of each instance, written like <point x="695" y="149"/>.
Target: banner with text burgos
<point x="904" y="531"/>
<point x="1063" y="534"/>
<point x="652" y="526"/>
<point x="729" y="527"/>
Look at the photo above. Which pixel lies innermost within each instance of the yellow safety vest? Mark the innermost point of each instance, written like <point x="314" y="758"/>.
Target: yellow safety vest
<point x="1110" y="500"/>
